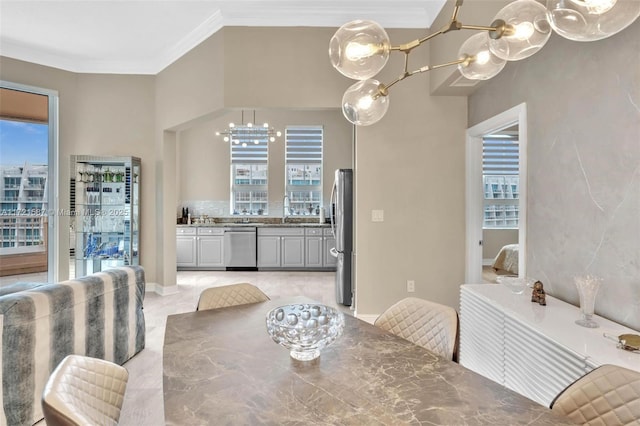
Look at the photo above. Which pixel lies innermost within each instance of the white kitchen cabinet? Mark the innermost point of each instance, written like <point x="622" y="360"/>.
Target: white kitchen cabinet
<point x="328" y="242"/>
<point x="282" y="248"/>
<point x="210" y="244"/>
<point x="200" y="247"/>
<point x="293" y="251"/>
<point x="313" y="247"/>
<point x="268" y="251"/>
<point x="186" y="248"/>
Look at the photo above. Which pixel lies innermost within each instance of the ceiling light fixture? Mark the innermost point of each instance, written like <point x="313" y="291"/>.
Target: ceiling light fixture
<point x="360" y="49"/>
<point x="250" y="133"/>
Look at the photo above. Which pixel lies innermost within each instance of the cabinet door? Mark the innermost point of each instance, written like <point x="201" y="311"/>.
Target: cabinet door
<point x="186" y="251"/>
<point x="313" y="256"/>
<point x="329" y="261"/>
<point x="269" y="251"/>
<point x="211" y="251"/>
<point x="292" y="252"/>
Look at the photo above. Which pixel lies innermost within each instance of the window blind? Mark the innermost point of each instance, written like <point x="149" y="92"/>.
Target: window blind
<point x="249" y="145"/>
<point x="304" y="144"/>
<point x="500" y="156"/>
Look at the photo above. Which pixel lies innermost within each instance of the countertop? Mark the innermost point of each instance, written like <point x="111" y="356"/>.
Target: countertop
<point x="257" y="225"/>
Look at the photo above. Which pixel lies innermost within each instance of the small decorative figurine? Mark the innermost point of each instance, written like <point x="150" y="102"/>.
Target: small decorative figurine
<point x="538" y="295"/>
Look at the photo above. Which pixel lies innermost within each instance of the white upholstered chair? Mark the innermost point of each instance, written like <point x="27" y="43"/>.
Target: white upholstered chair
<point x="230" y="295"/>
<point x="427" y="324"/>
<point x="84" y="391"/>
<point x="608" y="395"/>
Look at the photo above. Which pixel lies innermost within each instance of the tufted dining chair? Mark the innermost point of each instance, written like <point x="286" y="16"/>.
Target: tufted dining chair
<point x="427" y="324"/>
<point x="84" y="391"/>
<point x="230" y="295"/>
<point x="608" y="395"/>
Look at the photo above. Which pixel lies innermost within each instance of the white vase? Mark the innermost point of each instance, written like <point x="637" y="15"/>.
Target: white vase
<point x="588" y="287"/>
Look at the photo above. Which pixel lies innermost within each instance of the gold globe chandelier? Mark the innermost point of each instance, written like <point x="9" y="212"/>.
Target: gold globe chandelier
<point x="249" y="133"/>
<point x="360" y="49"/>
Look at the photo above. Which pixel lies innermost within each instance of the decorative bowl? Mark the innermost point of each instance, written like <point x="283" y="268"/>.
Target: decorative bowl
<point x="517" y="285"/>
<point x="305" y="329"/>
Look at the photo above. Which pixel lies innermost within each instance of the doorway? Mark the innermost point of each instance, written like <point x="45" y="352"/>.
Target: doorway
<point x="28" y="147"/>
<point x="475" y="191"/>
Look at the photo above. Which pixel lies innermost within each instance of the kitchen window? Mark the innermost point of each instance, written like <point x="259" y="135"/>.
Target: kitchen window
<point x="303" y="172"/>
<point x="501" y="182"/>
<point x="249" y="172"/>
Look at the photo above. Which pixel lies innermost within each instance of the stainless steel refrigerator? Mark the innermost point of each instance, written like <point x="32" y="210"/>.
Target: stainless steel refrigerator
<point x="342" y="229"/>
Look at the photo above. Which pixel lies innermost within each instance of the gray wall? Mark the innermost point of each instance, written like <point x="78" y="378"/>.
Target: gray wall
<point x="583" y="105"/>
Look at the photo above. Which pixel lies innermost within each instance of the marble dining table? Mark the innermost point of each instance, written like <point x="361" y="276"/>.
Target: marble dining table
<point x="220" y="367"/>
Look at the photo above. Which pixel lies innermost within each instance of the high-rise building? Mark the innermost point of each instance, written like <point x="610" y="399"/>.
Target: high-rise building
<point x="23" y="208"/>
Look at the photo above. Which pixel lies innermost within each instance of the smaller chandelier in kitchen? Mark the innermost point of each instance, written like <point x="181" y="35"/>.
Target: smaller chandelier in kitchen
<point x="249" y="133"/>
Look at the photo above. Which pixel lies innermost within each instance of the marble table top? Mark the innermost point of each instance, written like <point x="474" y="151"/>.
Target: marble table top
<point x="221" y="367"/>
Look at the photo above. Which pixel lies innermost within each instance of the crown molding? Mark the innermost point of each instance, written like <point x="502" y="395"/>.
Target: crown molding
<point x="403" y="14"/>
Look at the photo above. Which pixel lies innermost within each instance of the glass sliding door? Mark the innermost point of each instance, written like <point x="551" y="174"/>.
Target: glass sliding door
<point x="28" y="157"/>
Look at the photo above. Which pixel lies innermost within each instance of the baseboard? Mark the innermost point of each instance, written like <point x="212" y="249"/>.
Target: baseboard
<point x="487" y="262"/>
<point x="367" y="318"/>
<point x="161" y="289"/>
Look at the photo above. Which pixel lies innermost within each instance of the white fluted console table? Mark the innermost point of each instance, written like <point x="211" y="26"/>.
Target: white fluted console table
<point x="534" y="350"/>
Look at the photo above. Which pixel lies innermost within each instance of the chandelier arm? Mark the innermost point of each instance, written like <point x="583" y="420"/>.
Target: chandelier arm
<point x="456" y="9"/>
<point x="384" y="88"/>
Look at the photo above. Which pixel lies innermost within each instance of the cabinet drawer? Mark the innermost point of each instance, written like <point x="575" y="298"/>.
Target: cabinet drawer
<point x="186" y="231"/>
<point x="280" y="231"/>
<point x="210" y="231"/>
<point x="327" y="232"/>
<point x="313" y="231"/>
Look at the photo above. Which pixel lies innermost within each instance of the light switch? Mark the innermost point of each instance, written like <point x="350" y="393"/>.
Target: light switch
<point x="377" y="215"/>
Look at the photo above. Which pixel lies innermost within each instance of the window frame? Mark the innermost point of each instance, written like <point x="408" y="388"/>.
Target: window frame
<point x="53" y="221"/>
<point x="305" y="196"/>
<point x="246" y="154"/>
<point x="501" y="182"/>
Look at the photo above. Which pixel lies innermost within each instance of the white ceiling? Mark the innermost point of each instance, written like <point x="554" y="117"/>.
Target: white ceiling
<point x="145" y="36"/>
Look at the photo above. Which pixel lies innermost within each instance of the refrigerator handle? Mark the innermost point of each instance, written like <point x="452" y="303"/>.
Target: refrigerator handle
<point x="331" y="204"/>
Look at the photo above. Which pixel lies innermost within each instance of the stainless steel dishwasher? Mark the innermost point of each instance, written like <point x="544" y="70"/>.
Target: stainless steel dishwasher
<point x="240" y="247"/>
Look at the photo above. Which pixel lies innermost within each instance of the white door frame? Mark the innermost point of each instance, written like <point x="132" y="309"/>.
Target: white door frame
<point x="474" y="191"/>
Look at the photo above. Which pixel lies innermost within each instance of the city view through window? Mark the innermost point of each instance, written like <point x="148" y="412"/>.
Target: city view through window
<point x="23" y="192"/>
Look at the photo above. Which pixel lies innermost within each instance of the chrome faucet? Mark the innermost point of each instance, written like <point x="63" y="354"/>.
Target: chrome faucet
<point x="285" y="207"/>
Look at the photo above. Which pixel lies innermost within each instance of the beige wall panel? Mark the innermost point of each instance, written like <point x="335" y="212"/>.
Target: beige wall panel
<point x="193" y="86"/>
<point x="115" y="117"/>
<point x="411" y="165"/>
<point x="281" y="67"/>
<point x="583" y="156"/>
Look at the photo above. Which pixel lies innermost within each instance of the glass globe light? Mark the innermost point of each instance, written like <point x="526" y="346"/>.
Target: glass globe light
<point x="480" y="63"/>
<point x="359" y="49"/>
<point x="365" y="102"/>
<point x="527" y="30"/>
<point x="589" y="20"/>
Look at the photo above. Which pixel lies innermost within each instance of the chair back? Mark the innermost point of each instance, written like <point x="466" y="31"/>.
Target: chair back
<point x="428" y="324"/>
<point x="230" y="295"/>
<point x="84" y="391"/>
<point x="608" y="395"/>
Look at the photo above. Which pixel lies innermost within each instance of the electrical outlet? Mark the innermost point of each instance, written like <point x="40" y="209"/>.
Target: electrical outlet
<point x="411" y="286"/>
